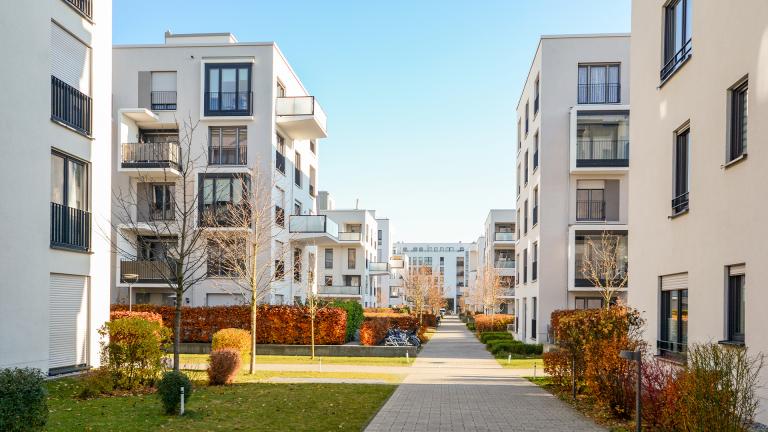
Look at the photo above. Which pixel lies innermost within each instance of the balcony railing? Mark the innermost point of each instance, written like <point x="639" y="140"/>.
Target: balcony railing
<point x="338" y="290"/>
<point x="163" y="100"/>
<point x="225" y="215"/>
<point x="602" y="153"/>
<point x="237" y="155"/>
<point x="673" y="63"/>
<point x="313" y="224"/>
<point x="300" y="106"/>
<point x="378" y="267"/>
<point x="228" y="103"/>
<point x="504" y="236"/>
<point x="148" y="271"/>
<point x="680" y="203"/>
<point x="84" y="6"/>
<point x="70" y="107"/>
<point x="350" y="236"/>
<point x="151" y="155"/>
<point x="600" y="93"/>
<point x="504" y="264"/>
<point x="672" y="350"/>
<point x="70" y="227"/>
<point x="154" y="214"/>
<point x="279" y="161"/>
<point x="590" y="210"/>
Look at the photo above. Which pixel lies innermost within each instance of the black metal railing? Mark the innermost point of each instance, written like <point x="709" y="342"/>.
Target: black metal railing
<point x="148" y="271"/>
<point x="70" y="227"/>
<point x="676" y="60"/>
<point x="680" y="203"/>
<point x="590" y="210"/>
<point x="151" y="155"/>
<point x="600" y="93"/>
<point x="602" y="153"/>
<point x="237" y="155"/>
<point x="535" y="215"/>
<point x="535" y="160"/>
<point x="163" y="100"/>
<point x="70" y="107"/>
<point x="225" y="215"/>
<point x="84" y="6"/>
<point x="280" y="161"/>
<point x="672" y="350"/>
<point x="228" y="103"/>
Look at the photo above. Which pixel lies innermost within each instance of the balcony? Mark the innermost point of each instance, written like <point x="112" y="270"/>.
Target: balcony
<point x="163" y="100"/>
<point x="70" y="228"/>
<point x="70" y="107"/>
<point x="396" y="263"/>
<point x="504" y="264"/>
<point x="151" y="155"/>
<point x="591" y="153"/>
<point x="504" y="236"/>
<point x="590" y="211"/>
<point x="343" y="290"/>
<point x="228" y="103"/>
<point x="599" y="93"/>
<point x="301" y="117"/>
<point x="148" y="271"/>
<point x="378" y="267"/>
<point x="314" y="229"/>
<point x="82" y="6"/>
<point x="350" y="236"/>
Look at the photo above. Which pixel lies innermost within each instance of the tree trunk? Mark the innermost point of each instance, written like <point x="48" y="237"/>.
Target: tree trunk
<point x="312" y="327"/>
<point x="254" y="306"/>
<point x="177" y="331"/>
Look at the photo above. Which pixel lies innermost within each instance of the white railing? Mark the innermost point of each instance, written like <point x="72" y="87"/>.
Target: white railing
<point x="300" y="106"/>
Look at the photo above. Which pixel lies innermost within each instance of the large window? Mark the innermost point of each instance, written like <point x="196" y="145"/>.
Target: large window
<point x="590" y="204"/>
<point x="673" y="335"/>
<point x="280" y="153"/>
<point x="227" y="145"/>
<point x="223" y="199"/>
<point x="163" y="93"/>
<point x="155" y="202"/>
<point x="70" y="219"/>
<point x="738" y="122"/>
<point x="682" y="149"/>
<point x="677" y="35"/>
<point x="297" y="169"/>
<point x="736" y="304"/>
<point x="602" y="139"/>
<point x="227" y="89"/>
<point x="297" y="265"/>
<point x="351" y="258"/>
<point x="328" y="258"/>
<point x="599" y="84"/>
<point x="226" y="259"/>
<point x="601" y="252"/>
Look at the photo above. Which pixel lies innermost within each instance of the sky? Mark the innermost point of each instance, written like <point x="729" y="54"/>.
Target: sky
<point x="420" y="95"/>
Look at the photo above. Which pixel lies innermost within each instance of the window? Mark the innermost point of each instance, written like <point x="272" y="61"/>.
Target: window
<point x="525" y="265"/>
<point x="535" y="261"/>
<point x="155" y="202"/>
<point x="70" y="80"/>
<point x="599" y="84"/>
<point x="279" y="269"/>
<point x="279" y="299"/>
<point x="527" y="115"/>
<point x="297" y="265"/>
<point x="280" y="153"/>
<point x="674" y="322"/>
<point x="329" y="281"/>
<point x="297" y="207"/>
<point x="351" y="258"/>
<point x="312" y="181"/>
<point x="519" y="135"/>
<point x="223" y="198"/>
<point x="227" y="89"/>
<point x="519" y="184"/>
<point x="226" y="258"/>
<point x="535" y="151"/>
<point x="163" y="94"/>
<point x="279" y="89"/>
<point x="677" y="36"/>
<point x="736" y="304"/>
<point x="70" y="219"/>
<point x="313" y="146"/>
<point x="142" y="298"/>
<point x="682" y="148"/>
<point x="328" y="258"/>
<point x="525" y="169"/>
<point x="535" y="210"/>
<point x="153" y="248"/>
<point x="588" y="303"/>
<point x="297" y="169"/>
<point x="590" y="204"/>
<point x="536" y="89"/>
<point x="227" y="145"/>
<point x="591" y="248"/>
<point x="737" y="145"/>
<point x="352" y="280"/>
<point x="525" y="216"/>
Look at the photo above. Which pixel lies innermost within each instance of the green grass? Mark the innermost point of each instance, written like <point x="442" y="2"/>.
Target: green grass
<point x="522" y="363"/>
<point x="270" y="359"/>
<point x="242" y="406"/>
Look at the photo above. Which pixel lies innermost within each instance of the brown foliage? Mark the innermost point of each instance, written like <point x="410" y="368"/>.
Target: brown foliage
<point x="223" y="366"/>
<point x="149" y="316"/>
<point x="495" y="322"/>
<point x="374" y="330"/>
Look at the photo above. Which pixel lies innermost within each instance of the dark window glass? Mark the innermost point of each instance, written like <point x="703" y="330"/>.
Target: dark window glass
<point x="677" y="35"/>
<point x="674" y="322"/>
<point x="738" y="135"/>
<point x="682" y="148"/>
<point x="736" y="308"/>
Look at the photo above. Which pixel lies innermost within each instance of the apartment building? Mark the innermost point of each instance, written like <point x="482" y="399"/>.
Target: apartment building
<point x="448" y="260"/>
<point x="499" y="252"/>
<point x="572" y="173"/>
<point x="469" y="300"/>
<point x="694" y="67"/>
<point x="346" y="242"/>
<point x="256" y="128"/>
<point x="56" y="163"/>
<point x="391" y="290"/>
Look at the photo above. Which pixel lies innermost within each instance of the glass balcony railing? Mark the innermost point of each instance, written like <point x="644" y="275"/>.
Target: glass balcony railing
<point x="378" y="267"/>
<point x="319" y="224"/>
<point x="504" y="236"/>
<point x="350" y="236"/>
<point x="504" y="264"/>
<point x="338" y="290"/>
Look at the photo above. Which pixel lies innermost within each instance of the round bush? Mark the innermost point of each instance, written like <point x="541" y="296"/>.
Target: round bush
<point x="133" y="351"/>
<point x="223" y="366"/>
<point x="23" y="405"/>
<point x="233" y="338"/>
<point x="169" y="390"/>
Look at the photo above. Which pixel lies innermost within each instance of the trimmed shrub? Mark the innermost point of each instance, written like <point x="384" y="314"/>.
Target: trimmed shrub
<point x="429" y="319"/>
<point x="236" y="339"/>
<point x="354" y="316"/>
<point x="471" y="326"/>
<point x="374" y="330"/>
<point x="23" y="403"/>
<point x="489" y="336"/>
<point x="402" y="321"/>
<point x="95" y="383"/>
<point x="557" y="364"/>
<point x="495" y="322"/>
<point x="149" y="316"/>
<point x="224" y="364"/>
<point x="169" y="390"/>
<point x="133" y="351"/>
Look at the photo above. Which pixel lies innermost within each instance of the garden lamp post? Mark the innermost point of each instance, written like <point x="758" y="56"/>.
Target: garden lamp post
<point x="636" y="357"/>
<point x="131" y="278"/>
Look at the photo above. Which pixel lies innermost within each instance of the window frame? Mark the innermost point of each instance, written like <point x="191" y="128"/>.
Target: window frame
<point x="674" y="58"/>
<point x="681" y="184"/>
<point x="351" y="258"/>
<point x="665" y="311"/>
<point x="735" y="308"/>
<point x="216" y="177"/>
<point x="241" y="149"/>
<point x="738" y="118"/>
<point x="207" y="111"/>
<point x="328" y="265"/>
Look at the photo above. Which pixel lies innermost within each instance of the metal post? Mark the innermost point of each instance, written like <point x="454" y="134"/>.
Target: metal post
<point x="181" y="407"/>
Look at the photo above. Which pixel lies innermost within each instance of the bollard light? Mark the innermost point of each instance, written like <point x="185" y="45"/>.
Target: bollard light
<point x="181" y="407"/>
<point x="637" y="357"/>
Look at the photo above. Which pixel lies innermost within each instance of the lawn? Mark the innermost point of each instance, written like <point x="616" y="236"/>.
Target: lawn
<point x="244" y="377"/>
<point x="242" y="406"/>
<point x="271" y="359"/>
<point x="522" y="363"/>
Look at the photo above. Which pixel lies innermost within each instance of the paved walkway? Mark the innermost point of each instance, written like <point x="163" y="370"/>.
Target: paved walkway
<point x="455" y="385"/>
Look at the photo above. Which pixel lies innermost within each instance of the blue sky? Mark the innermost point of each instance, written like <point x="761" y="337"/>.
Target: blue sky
<point x="420" y="95"/>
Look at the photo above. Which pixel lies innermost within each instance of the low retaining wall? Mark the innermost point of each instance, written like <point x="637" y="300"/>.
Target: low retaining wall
<point x="320" y="350"/>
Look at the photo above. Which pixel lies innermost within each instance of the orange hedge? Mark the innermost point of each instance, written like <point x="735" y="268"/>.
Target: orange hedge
<point x="374" y="330"/>
<point x="403" y="321"/>
<point x="274" y="324"/>
<point x="149" y="316"/>
<point x="496" y="322"/>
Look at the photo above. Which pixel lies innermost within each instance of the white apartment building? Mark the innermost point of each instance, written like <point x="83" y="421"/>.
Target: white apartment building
<point x="475" y="261"/>
<point x="698" y="241"/>
<point x="499" y="252"/>
<point x="257" y="126"/>
<point x="346" y="242"/>
<point x="572" y="172"/>
<point x="449" y="260"/>
<point x="56" y="170"/>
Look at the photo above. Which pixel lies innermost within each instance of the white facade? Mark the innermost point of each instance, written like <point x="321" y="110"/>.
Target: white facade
<point x="254" y="120"/>
<point x="572" y="171"/>
<point x="56" y="163"/>
<point x="697" y="243"/>
<point x="449" y="260"/>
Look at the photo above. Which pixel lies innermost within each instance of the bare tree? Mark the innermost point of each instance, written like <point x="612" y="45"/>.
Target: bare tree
<point x="490" y="290"/>
<point x="604" y="264"/>
<point x="435" y="299"/>
<point x="156" y="218"/>
<point x="418" y="283"/>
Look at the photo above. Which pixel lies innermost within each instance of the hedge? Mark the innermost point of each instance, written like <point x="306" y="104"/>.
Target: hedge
<point x="274" y="324"/>
<point x="354" y="316"/>
<point x="496" y="322"/>
<point x="489" y="336"/>
<point x="374" y="330"/>
<point x="149" y="316"/>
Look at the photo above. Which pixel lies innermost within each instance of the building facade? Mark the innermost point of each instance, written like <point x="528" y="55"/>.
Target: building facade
<point x="241" y="115"/>
<point x="572" y="174"/>
<point x="499" y="252"/>
<point x="691" y="80"/>
<point x="55" y="263"/>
